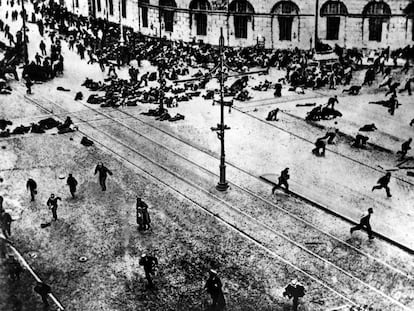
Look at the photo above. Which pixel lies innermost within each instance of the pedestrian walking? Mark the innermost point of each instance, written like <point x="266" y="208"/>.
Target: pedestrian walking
<point x="143" y="217"/>
<point x="42" y="47"/>
<point x="294" y="290"/>
<point x="38" y="59"/>
<point x="103" y="174"/>
<point x="214" y="288"/>
<point x="52" y="203"/>
<point x="393" y="104"/>
<point x="150" y="265"/>
<point x="72" y="183"/>
<point x="112" y="71"/>
<point x="32" y="187"/>
<point x="364" y="223"/>
<point x="383" y="183"/>
<point x="332" y="101"/>
<point x="331" y="134"/>
<point x="5" y="222"/>
<point x="283" y="180"/>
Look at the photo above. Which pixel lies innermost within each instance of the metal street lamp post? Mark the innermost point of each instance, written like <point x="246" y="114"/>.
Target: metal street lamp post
<point x="221" y="127"/>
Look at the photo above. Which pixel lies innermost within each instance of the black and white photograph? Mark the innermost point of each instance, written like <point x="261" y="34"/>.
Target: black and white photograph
<point x="206" y="155"/>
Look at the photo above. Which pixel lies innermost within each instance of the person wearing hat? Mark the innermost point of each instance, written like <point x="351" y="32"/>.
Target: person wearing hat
<point x="364" y="223"/>
<point x="150" y="264"/>
<point x="52" y="203"/>
<point x="294" y="290"/>
<point x="32" y="187"/>
<point x="103" y="173"/>
<point x="383" y="183"/>
<point x="72" y="183"/>
<point x="143" y="218"/>
<point x="332" y="101"/>
<point x="283" y="180"/>
<point x="214" y="288"/>
<point x="404" y="148"/>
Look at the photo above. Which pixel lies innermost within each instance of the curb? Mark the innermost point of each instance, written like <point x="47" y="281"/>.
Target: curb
<point x="322" y="127"/>
<point x="342" y="216"/>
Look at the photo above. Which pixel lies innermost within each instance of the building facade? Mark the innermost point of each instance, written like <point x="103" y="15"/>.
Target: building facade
<point x="278" y="24"/>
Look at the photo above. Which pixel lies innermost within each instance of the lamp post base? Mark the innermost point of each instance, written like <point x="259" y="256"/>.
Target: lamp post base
<point x="222" y="186"/>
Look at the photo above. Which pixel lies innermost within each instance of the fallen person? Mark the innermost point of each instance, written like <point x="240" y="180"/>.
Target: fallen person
<point x="353" y="90"/>
<point x="272" y="115"/>
<point x="368" y="128"/>
<point x="177" y="117"/>
<point x="4" y="123"/>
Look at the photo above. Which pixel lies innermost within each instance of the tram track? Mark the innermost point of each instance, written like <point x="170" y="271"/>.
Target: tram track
<point x="244" y="215"/>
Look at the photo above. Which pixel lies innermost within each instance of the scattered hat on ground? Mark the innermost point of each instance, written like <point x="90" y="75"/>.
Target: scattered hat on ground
<point x="32" y="255"/>
<point x="86" y="142"/>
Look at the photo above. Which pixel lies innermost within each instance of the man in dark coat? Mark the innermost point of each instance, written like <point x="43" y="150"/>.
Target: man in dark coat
<point x="103" y="173"/>
<point x="150" y="264"/>
<point x="143" y="218"/>
<point x="214" y="288"/>
<point x="364" y="223"/>
<point x="320" y="147"/>
<point x="32" y="187"/>
<point x="52" y="203"/>
<point x="72" y="183"/>
<point x="283" y="180"/>
<point x="383" y="183"/>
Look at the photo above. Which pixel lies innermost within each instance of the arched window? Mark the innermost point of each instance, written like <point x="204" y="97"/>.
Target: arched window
<point x="333" y="9"/>
<point x="111" y="7"/>
<point x="377" y="13"/>
<point x="200" y="17"/>
<point x="242" y="10"/>
<point x="144" y="12"/>
<point x="409" y="11"/>
<point x="285" y="11"/>
<point x="167" y="11"/>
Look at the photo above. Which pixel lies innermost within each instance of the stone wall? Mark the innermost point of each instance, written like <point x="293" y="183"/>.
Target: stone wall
<point x="353" y="31"/>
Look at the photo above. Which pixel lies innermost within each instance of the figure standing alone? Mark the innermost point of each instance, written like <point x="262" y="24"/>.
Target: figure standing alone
<point x="103" y="174"/>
